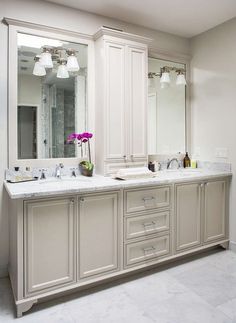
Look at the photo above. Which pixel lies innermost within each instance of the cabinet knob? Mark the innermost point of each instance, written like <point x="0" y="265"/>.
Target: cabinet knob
<point x="72" y="200"/>
<point x="124" y="156"/>
<point x="202" y="185"/>
<point x="81" y="199"/>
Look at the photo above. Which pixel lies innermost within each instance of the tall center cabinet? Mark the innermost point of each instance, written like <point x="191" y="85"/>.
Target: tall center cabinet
<point x="121" y="100"/>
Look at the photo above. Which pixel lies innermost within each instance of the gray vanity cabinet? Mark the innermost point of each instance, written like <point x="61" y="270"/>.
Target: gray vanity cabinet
<point x="98" y="234"/>
<point x="187" y="216"/>
<point x="67" y="242"/>
<point x="215" y="210"/>
<point x="200" y="213"/>
<point x="49" y="240"/>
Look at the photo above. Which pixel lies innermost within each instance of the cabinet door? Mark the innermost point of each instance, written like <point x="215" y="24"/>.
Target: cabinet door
<point x="188" y="216"/>
<point x="214" y="211"/>
<point x="137" y="99"/>
<point x="49" y="244"/>
<point x="115" y="101"/>
<point x="98" y="234"/>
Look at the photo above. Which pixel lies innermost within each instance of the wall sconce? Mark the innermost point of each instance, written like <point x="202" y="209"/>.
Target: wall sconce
<point x="62" y="72"/>
<point x="165" y="76"/>
<point x="180" y="80"/>
<point x="39" y="69"/>
<point x="66" y="58"/>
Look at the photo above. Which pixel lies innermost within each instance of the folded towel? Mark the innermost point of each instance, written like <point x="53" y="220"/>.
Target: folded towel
<point x="134" y="173"/>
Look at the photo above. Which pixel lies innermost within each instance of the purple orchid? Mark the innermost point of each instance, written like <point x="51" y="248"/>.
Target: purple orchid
<point x="71" y="138"/>
<point x="81" y="138"/>
<point x="87" y="135"/>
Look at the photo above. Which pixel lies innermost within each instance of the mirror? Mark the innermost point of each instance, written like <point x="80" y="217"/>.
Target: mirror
<point x="52" y="96"/>
<point x="166" y="107"/>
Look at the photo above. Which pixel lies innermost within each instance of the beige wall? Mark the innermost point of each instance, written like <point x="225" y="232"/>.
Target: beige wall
<point x="213" y="100"/>
<point x="56" y="16"/>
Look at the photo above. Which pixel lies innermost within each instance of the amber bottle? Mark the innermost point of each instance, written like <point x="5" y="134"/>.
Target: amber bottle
<point x="187" y="161"/>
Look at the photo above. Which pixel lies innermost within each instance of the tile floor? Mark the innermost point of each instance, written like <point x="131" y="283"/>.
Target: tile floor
<point x="201" y="289"/>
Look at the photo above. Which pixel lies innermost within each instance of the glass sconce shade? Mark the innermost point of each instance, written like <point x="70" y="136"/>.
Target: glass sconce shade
<point x="165" y="85"/>
<point x="62" y="72"/>
<point x="165" y="77"/>
<point x="72" y="64"/>
<point x="180" y="80"/>
<point x="46" y="59"/>
<point x="39" y="70"/>
<point x="151" y="83"/>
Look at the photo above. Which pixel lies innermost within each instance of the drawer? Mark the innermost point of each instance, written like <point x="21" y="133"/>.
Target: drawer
<point x="146" y="199"/>
<point x="143" y="225"/>
<point x="146" y="250"/>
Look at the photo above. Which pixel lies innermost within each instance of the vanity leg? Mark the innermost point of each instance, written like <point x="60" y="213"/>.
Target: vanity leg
<point x="225" y="245"/>
<point x="22" y="307"/>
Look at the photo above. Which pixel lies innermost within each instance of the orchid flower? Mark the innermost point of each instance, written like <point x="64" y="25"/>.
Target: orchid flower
<point x="81" y="138"/>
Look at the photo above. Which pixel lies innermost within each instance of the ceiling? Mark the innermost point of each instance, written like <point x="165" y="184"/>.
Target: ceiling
<point x="186" y="18"/>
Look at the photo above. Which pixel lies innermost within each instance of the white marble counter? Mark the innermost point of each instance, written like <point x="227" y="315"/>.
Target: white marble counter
<point x="81" y="184"/>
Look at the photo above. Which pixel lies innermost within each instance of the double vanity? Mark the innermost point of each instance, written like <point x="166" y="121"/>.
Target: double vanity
<point x="71" y="233"/>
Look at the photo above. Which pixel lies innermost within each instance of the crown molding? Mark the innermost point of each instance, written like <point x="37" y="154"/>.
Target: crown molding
<point x="156" y="52"/>
<point x="26" y="24"/>
<point x="120" y="34"/>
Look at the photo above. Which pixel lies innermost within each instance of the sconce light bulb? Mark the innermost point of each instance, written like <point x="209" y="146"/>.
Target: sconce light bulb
<point x="72" y="63"/>
<point x="39" y="69"/>
<point x="46" y="59"/>
<point x="62" y="72"/>
<point x="165" y="77"/>
<point x="180" y="80"/>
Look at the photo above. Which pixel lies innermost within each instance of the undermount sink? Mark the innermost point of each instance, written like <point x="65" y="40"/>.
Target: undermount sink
<point x="182" y="171"/>
<point x="65" y="179"/>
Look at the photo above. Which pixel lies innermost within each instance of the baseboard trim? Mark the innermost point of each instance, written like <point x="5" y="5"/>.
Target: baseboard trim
<point x="3" y="271"/>
<point x="232" y="246"/>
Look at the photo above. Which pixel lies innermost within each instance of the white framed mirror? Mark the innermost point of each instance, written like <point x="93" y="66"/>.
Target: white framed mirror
<point x="50" y="95"/>
<point x="168" y="105"/>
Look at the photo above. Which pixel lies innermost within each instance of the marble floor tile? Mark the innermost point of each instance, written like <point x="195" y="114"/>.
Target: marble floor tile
<point x="229" y="308"/>
<point x="153" y="288"/>
<point x="225" y="261"/>
<point x="186" y="308"/>
<point x="202" y="290"/>
<point x="214" y="285"/>
<point x="109" y="306"/>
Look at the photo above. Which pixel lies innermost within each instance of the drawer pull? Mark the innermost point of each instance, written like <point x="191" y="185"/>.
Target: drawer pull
<point x="145" y="250"/>
<point x="148" y="224"/>
<point x="145" y="199"/>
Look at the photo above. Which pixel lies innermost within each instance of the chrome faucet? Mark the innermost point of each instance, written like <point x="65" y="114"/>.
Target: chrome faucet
<point x="43" y="175"/>
<point x="170" y="161"/>
<point x="58" y="170"/>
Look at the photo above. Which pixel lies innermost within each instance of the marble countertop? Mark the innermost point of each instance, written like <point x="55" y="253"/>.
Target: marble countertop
<point x="81" y="184"/>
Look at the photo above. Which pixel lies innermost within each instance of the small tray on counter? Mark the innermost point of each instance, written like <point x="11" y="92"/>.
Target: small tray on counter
<point x="23" y="180"/>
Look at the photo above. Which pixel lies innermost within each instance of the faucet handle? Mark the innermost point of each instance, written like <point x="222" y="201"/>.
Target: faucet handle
<point x="43" y="175"/>
<point x="73" y="173"/>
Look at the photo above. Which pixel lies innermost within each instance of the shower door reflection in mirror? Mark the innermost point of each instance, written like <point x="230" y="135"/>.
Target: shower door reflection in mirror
<point x="52" y="96"/>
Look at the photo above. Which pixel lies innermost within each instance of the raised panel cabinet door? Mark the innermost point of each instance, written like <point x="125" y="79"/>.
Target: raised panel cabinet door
<point x="188" y="216"/>
<point x="98" y="234"/>
<point x="137" y="98"/>
<point x="115" y="101"/>
<point x="214" y="211"/>
<point x="49" y="244"/>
